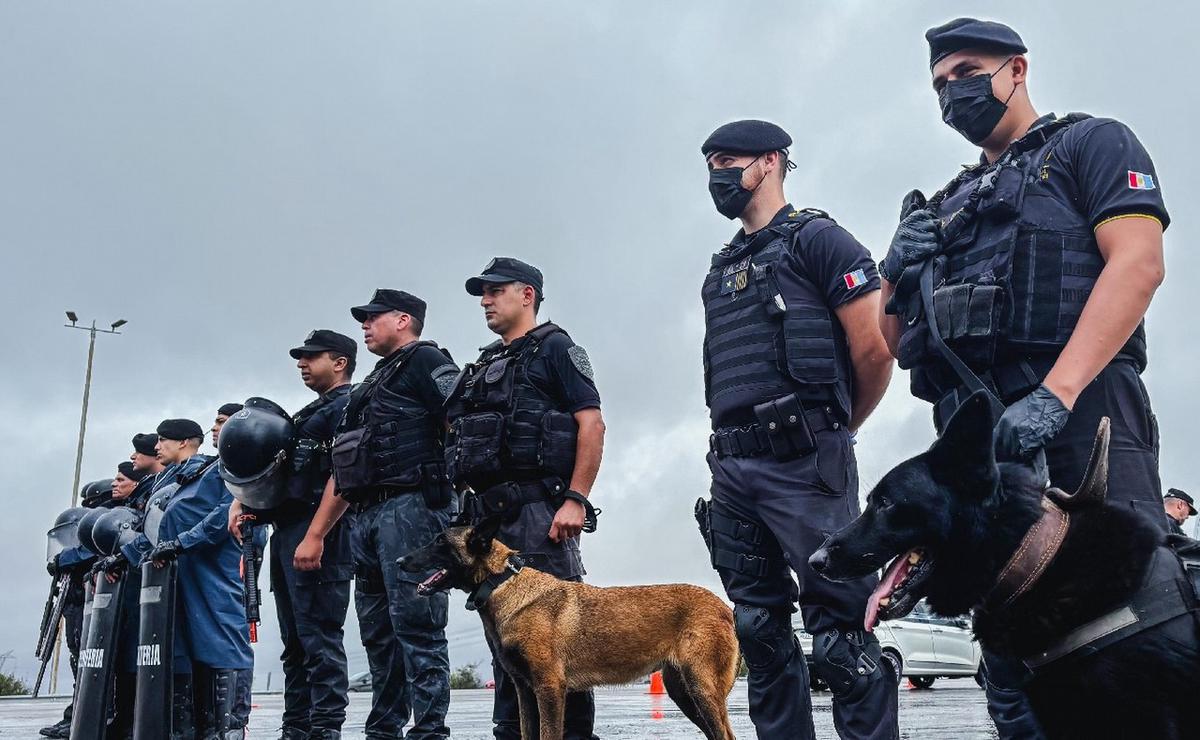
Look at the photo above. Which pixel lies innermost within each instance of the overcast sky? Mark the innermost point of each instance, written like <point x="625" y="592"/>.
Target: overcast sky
<point x="229" y="176"/>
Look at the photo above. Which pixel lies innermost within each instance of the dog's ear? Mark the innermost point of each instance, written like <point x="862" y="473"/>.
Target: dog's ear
<point x="479" y="542"/>
<point x="965" y="452"/>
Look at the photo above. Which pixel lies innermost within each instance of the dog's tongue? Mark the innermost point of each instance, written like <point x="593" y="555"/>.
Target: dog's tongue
<point x="431" y="583"/>
<point x="891" y="578"/>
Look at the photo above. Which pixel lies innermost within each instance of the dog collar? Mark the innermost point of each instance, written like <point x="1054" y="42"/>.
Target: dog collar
<point x="478" y="597"/>
<point x="1035" y="553"/>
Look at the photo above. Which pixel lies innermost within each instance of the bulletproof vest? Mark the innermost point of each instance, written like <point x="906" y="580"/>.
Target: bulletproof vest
<point x="310" y="459"/>
<point x="757" y="345"/>
<point x="503" y="427"/>
<point x="1015" y="270"/>
<point x="392" y="434"/>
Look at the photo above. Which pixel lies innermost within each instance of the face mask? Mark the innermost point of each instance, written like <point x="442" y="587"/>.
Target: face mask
<point x="970" y="108"/>
<point x="725" y="186"/>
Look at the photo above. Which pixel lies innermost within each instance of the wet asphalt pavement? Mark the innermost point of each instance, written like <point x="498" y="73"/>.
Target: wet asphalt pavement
<point x="951" y="710"/>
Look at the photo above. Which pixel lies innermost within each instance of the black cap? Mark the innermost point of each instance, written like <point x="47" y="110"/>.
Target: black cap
<point x="325" y="340"/>
<point x="746" y="137"/>
<point x="971" y="33"/>
<point x="386" y="299"/>
<point x="144" y="443"/>
<point x="506" y="270"/>
<point x="229" y="409"/>
<point x="126" y="469"/>
<point x="180" y="429"/>
<point x="1176" y="493"/>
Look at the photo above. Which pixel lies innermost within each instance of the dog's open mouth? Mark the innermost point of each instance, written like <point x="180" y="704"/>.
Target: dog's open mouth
<point x="433" y="583"/>
<point x="899" y="589"/>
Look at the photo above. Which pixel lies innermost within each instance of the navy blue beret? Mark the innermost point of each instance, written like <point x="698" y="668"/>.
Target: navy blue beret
<point x="971" y="33"/>
<point x="144" y="443"/>
<point x="746" y="137"/>
<point x="179" y="429"/>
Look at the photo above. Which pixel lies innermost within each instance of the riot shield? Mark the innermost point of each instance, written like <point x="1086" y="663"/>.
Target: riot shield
<point x="155" y="657"/>
<point x="97" y="661"/>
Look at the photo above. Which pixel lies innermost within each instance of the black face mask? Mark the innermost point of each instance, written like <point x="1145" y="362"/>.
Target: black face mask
<point x="970" y="108"/>
<point x="725" y="187"/>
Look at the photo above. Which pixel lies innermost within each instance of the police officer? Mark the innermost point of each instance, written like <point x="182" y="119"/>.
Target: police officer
<point x="793" y="364"/>
<point x="312" y="604"/>
<point x="387" y="461"/>
<point x="1178" y="507"/>
<point x="526" y="436"/>
<point x="147" y="465"/>
<point x="224" y="411"/>
<point x="1038" y="264"/>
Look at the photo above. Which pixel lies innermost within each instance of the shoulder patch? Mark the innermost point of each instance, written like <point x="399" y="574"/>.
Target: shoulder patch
<point x="445" y="378"/>
<point x="581" y="361"/>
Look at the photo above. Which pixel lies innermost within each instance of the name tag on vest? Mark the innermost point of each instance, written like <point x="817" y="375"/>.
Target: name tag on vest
<point x="735" y="277"/>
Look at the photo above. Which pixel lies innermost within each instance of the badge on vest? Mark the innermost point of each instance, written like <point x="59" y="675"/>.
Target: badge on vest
<point x="735" y="277"/>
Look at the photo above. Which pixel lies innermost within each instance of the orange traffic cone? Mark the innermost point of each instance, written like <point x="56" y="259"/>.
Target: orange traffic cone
<point x="656" y="684"/>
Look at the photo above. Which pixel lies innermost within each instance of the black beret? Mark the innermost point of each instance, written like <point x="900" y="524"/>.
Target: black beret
<point x="126" y="469"/>
<point x="229" y="409"/>
<point x="1185" y="498"/>
<point x="386" y="300"/>
<point x="324" y="340"/>
<point x="506" y="270"/>
<point x="746" y="137"/>
<point x="180" y="429"/>
<point x="144" y="443"/>
<point x="971" y="33"/>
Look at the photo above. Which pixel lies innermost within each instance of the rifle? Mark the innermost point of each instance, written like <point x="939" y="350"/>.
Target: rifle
<point x="51" y="619"/>
<point x="251" y="558"/>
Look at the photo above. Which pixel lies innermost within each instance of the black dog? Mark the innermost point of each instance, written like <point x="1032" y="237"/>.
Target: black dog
<point x="1043" y="572"/>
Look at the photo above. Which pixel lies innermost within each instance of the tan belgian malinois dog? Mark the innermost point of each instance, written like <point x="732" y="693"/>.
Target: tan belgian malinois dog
<point x="558" y="636"/>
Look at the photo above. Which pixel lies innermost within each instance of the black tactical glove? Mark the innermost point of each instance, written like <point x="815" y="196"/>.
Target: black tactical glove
<point x="167" y="551"/>
<point x="1029" y="424"/>
<point x="111" y="565"/>
<point x="917" y="238"/>
<point x="52" y="566"/>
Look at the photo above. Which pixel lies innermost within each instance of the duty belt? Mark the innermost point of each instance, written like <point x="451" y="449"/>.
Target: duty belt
<point x="360" y="502"/>
<point x="752" y="440"/>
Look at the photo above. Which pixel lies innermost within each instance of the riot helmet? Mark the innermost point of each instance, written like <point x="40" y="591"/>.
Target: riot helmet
<point x="254" y="448"/>
<point x="86" y="524"/>
<point x="64" y="535"/>
<point x="114" y="529"/>
<point x="96" y="493"/>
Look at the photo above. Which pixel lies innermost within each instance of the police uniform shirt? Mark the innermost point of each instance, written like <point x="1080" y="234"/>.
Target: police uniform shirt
<point x="827" y="258"/>
<point x="425" y="377"/>
<point x="562" y="370"/>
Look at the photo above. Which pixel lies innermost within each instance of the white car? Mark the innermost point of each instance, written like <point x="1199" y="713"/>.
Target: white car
<point x="920" y="647"/>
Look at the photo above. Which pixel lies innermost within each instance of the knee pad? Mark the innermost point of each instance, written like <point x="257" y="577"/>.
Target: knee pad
<point x="765" y="636"/>
<point x="850" y="661"/>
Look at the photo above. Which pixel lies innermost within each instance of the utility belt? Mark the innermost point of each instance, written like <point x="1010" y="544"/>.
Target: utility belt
<point x="432" y="484"/>
<point x="507" y="499"/>
<point x="785" y="429"/>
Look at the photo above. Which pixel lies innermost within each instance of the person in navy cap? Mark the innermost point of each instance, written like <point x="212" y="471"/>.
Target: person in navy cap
<point x="1039" y="263"/>
<point x="1178" y="506"/>
<point x="793" y="364"/>
<point x="387" y="461"/>
<point x="534" y="391"/>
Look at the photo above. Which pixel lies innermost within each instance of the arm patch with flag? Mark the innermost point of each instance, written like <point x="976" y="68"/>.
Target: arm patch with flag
<point x="855" y="279"/>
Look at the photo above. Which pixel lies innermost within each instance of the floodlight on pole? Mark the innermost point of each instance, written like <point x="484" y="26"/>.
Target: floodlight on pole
<point x="72" y="317"/>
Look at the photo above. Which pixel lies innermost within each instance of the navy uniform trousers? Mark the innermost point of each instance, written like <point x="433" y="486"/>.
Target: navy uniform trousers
<point x="312" y="614"/>
<point x="404" y="634"/>
<point x="791" y="506"/>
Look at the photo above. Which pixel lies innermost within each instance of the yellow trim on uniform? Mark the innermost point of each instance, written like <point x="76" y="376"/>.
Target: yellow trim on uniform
<point x="1128" y="215"/>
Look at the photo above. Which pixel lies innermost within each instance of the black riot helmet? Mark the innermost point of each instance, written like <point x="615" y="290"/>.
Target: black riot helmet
<point x="113" y="529"/>
<point x="96" y="493"/>
<point x="254" y="447"/>
<point x="64" y="535"/>
<point x="86" y="524"/>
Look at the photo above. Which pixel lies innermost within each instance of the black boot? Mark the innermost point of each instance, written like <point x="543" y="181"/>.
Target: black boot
<point x="183" y="721"/>
<point x="224" y="725"/>
<point x="294" y="733"/>
<point x="325" y="734"/>
<point x="60" y="729"/>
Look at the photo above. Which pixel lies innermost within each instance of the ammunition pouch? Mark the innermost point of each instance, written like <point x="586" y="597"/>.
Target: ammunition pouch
<point x="352" y="459"/>
<point x="435" y="486"/>
<point x="786" y="426"/>
<point x="969" y="320"/>
<point x="473" y="445"/>
<point x="556" y="447"/>
<point x="505" y="500"/>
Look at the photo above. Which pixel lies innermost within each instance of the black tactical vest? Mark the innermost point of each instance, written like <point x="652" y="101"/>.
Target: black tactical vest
<point x="1016" y="268"/>
<point x="758" y="346"/>
<point x="502" y="426"/>
<point x="310" y="458"/>
<point x="390" y="438"/>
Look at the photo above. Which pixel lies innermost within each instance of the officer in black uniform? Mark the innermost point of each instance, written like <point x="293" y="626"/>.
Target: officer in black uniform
<point x="1038" y="264"/>
<point x="793" y="364"/>
<point x="311" y="604"/>
<point x="1178" y="507"/>
<point x="387" y="463"/>
<point x="526" y="435"/>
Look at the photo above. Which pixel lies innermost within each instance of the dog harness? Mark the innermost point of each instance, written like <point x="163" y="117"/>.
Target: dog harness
<point x="479" y="596"/>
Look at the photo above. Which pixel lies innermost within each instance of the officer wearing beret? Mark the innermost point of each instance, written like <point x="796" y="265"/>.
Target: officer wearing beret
<point x="312" y="604"/>
<point x="387" y="464"/>
<point x="793" y="364"/>
<point x="225" y="411"/>
<point x="531" y="399"/>
<point x="1178" y="506"/>
<point x="1037" y="264"/>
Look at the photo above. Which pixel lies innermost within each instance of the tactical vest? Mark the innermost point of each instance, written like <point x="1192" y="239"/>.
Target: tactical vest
<point x="391" y="437"/>
<point x="1016" y="268"/>
<point x="310" y="459"/>
<point x="757" y="345"/>
<point x="503" y="427"/>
